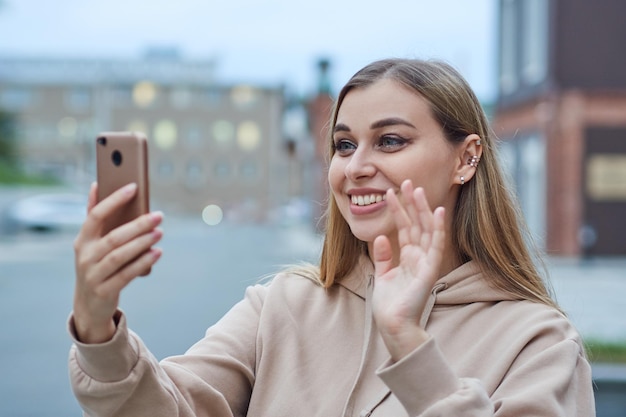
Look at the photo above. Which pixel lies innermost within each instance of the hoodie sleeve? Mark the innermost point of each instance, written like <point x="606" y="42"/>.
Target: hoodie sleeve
<point x="553" y="382"/>
<point x="214" y="378"/>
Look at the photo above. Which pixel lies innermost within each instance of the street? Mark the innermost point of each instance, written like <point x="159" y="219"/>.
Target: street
<point x="203" y="272"/>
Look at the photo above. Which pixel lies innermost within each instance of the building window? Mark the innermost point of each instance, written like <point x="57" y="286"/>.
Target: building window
<point x="524" y="160"/>
<point x="16" y="98"/>
<point x="165" y="170"/>
<point x="249" y="170"/>
<point x="138" y="125"/>
<point x="68" y="129"/>
<point x="244" y="97"/>
<point x="78" y="99"/>
<point x="180" y="98"/>
<point x="213" y="97"/>
<point x="194" y="174"/>
<point x="248" y="136"/>
<point x="534" y="41"/>
<point x="122" y="96"/>
<point x="165" y="134"/>
<point x="144" y="94"/>
<point x="508" y="48"/>
<point x="193" y="136"/>
<point x="222" y="170"/>
<point x="533" y="193"/>
<point x="223" y="133"/>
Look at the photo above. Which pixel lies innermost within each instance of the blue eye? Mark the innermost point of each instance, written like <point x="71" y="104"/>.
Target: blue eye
<point x="344" y="147"/>
<point x="389" y="142"/>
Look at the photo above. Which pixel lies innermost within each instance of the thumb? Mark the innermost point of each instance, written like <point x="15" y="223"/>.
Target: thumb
<point x="383" y="257"/>
<point x="93" y="196"/>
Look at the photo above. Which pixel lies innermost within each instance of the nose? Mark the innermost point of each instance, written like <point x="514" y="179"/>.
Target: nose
<point x="360" y="165"/>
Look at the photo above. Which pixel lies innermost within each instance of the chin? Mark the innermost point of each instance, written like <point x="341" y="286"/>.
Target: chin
<point x="367" y="234"/>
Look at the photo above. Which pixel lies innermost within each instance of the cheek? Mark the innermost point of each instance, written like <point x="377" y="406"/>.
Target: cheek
<point x="335" y="175"/>
<point x="400" y="169"/>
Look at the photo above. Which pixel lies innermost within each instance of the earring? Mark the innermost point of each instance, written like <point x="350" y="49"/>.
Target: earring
<point x="473" y="162"/>
<point x="462" y="180"/>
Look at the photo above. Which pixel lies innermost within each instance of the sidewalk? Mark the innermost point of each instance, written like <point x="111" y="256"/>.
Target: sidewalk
<point x="593" y="294"/>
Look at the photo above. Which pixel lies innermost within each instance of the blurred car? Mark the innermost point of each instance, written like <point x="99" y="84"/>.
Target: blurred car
<point x="296" y="211"/>
<point x="45" y="212"/>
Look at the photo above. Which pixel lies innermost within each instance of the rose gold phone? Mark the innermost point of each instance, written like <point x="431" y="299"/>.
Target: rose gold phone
<point x="122" y="158"/>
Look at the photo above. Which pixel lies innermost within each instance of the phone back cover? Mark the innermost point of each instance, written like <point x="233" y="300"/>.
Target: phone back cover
<point x="133" y="168"/>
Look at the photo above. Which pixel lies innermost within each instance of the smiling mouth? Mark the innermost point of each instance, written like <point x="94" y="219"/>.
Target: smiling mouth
<point x="366" y="200"/>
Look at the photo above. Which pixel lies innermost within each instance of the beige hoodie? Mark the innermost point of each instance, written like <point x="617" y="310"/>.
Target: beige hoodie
<point x="292" y="348"/>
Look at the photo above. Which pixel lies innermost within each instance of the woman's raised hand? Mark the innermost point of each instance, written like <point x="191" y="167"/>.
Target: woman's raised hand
<point x="401" y="291"/>
<point x="106" y="264"/>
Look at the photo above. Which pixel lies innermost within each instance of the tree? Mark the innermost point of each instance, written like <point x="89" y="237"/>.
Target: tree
<point x="7" y="138"/>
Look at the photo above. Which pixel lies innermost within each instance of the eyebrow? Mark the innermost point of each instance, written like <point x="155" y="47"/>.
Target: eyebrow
<point x="391" y="121"/>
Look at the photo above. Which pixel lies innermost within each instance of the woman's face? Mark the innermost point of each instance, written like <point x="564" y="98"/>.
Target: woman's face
<point x="384" y="134"/>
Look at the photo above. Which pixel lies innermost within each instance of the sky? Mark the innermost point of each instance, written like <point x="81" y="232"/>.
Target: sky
<point x="269" y="42"/>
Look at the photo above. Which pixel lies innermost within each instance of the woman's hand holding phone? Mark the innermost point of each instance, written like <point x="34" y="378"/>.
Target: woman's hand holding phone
<point x="107" y="264"/>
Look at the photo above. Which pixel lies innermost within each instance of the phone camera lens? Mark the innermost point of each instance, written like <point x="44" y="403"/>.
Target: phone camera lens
<point x="116" y="157"/>
<point x="102" y="141"/>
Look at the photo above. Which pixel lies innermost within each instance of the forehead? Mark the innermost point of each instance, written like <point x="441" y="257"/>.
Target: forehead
<point x="383" y="99"/>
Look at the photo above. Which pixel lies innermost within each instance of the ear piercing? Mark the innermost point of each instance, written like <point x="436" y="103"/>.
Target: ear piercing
<point x="473" y="162"/>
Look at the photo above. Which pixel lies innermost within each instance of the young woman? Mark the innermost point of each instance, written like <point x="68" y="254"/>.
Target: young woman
<point x="411" y="312"/>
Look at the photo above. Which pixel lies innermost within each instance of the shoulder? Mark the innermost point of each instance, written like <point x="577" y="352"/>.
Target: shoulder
<point x="537" y="324"/>
<point x="290" y="277"/>
<point x="298" y="292"/>
<point x="289" y="283"/>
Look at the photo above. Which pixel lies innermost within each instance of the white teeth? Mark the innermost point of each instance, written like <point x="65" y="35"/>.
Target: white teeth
<point x="366" y="200"/>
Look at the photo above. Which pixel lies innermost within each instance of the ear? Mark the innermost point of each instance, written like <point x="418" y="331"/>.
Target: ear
<point x="469" y="153"/>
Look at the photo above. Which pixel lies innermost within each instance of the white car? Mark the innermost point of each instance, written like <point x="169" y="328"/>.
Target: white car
<point x="45" y="212"/>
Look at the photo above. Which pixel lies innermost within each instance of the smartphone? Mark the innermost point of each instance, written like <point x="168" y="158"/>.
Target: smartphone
<point x="122" y="158"/>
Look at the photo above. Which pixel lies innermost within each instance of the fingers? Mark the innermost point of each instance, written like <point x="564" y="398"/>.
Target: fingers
<point x="438" y="238"/>
<point x="116" y="283"/>
<point x="126" y="233"/>
<point x="116" y="257"/>
<point x="412" y="215"/>
<point x="423" y="217"/>
<point x="105" y="208"/>
<point x="383" y="256"/>
<point x="93" y="197"/>
<point x="400" y="216"/>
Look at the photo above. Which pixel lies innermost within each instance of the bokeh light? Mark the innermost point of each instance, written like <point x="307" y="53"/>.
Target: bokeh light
<point x="165" y="134"/>
<point x="212" y="215"/>
<point x="144" y="93"/>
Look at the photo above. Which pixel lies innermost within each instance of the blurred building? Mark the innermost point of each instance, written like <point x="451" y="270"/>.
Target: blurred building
<point x="209" y="143"/>
<point x="561" y="113"/>
<point x="320" y="107"/>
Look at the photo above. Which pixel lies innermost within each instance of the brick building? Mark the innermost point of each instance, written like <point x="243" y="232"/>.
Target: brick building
<point x="561" y="113"/>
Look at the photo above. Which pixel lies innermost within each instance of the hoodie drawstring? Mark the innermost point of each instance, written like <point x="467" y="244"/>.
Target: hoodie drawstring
<point x="430" y="303"/>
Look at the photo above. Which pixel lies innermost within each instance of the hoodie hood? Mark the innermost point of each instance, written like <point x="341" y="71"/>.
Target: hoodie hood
<point x="464" y="285"/>
<point x="467" y="284"/>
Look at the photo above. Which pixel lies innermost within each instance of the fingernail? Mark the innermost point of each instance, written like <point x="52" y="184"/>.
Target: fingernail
<point x="156" y="215"/>
<point x="130" y="188"/>
<point x="156" y="253"/>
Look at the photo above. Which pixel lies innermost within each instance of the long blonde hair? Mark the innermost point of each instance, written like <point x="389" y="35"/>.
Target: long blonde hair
<point x="487" y="225"/>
